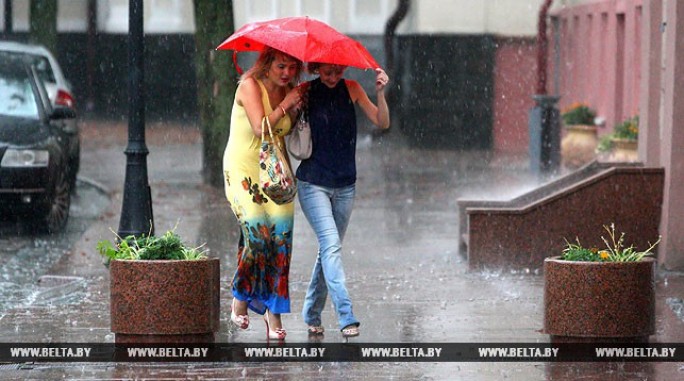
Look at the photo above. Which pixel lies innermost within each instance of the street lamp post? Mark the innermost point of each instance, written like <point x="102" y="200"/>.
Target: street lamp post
<point x="136" y="209"/>
<point x="544" y="118"/>
<point x="544" y="129"/>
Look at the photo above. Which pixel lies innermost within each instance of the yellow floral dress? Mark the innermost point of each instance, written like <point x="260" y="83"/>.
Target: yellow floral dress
<point x="263" y="255"/>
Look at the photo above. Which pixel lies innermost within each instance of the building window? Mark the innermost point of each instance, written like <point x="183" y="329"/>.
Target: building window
<point x="368" y="16"/>
<point x="260" y="10"/>
<point x="317" y="9"/>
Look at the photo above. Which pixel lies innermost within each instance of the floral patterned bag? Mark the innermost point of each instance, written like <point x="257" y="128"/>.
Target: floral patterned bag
<point x="275" y="176"/>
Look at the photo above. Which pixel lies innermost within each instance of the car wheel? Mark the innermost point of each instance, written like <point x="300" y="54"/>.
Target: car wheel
<point x="58" y="205"/>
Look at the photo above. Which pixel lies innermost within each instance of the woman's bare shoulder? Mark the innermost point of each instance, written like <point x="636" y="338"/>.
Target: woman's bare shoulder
<point x="248" y="87"/>
<point x="248" y="83"/>
<point x="354" y="88"/>
<point x="351" y="83"/>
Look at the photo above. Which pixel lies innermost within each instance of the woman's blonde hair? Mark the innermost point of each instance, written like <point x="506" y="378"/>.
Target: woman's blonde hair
<point x="263" y="64"/>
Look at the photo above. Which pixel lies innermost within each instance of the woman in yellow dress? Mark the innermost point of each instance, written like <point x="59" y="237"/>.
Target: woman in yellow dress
<point x="260" y="283"/>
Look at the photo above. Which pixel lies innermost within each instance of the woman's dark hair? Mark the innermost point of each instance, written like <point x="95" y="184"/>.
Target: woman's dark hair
<point x="313" y="67"/>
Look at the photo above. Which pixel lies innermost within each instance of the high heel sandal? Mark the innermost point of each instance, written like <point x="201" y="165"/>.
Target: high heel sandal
<point x="316" y="330"/>
<point x="277" y="334"/>
<point x="242" y="321"/>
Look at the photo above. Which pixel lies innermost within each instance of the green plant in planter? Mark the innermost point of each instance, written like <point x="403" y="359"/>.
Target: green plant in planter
<point x="628" y="129"/>
<point x="615" y="250"/>
<point x="167" y="246"/>
<point x="578" y="113"/>
<point x="605" y="143"/>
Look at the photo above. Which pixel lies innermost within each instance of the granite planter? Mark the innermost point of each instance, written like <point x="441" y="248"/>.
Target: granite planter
<point x="599" y="300"/>
<point x="578" y="146"/>
<point x="164" y="301"/>
<point x="624" y="150"/>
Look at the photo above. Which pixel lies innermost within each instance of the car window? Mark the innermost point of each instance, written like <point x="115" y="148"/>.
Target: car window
<point x="17" y="98"/>
<point x="42" y="95"/>
<point x="43" y="68"/>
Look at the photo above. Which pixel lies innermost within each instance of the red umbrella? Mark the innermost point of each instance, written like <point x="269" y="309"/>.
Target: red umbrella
<point x="305" y="38"/>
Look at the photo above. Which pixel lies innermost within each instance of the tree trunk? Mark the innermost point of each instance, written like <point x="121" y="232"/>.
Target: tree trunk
<point x="43" y="21"/>
<point x="9" y="20"/>
<point x="216" y="82"/>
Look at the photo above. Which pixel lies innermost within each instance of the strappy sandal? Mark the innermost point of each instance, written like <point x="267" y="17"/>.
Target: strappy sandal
<point x="316" y="330"/>
<point x="276" y="334"/>
<point x="242" y="321"/>
<point x="351" y="330"/>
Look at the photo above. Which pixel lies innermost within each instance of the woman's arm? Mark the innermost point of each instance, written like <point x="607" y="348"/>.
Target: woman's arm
<point x="249" y="97"/>
<point x="378" y="115"/>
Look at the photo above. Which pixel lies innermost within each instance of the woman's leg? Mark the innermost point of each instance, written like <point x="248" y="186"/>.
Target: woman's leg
<point x="324" y="208"/>
<point x="262" y="275"/>
<point x="317" y="292"/>
<point x="277" y="239"/>
<point x="342" y="204"/>
<point x="238" y="308"/>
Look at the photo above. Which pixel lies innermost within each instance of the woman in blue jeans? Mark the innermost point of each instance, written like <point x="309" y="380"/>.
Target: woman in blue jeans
<point x="327" y="181"/>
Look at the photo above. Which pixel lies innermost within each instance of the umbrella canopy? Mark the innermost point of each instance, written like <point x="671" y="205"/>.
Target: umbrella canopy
<point x="304" y="38"/>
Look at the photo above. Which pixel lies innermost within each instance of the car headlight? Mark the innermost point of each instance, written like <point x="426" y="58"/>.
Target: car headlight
<point x="15" y="158"/>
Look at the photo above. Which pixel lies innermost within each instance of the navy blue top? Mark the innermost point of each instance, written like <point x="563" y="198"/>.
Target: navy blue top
<point x="333" y="135"/>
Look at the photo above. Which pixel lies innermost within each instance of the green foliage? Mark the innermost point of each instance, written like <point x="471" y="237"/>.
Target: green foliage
<point x="605" y="143"/>
<point x="615" y="250"/>
<point x="576" y="252"/>
<point x="628" y="129"/>
<point x="169" y="247"/>
<point x="578" y="113"/>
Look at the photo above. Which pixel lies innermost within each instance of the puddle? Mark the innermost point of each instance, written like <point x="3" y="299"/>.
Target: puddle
<point x="51" y="290"/>
<point x="677" y="306"/>
<point x="58" y="290"/>
<point x="26" y="258"/>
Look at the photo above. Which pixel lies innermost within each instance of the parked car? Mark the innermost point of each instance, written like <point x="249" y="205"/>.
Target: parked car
<point x="56" y="84"/>
<point x="36" y="163"/>
<point x="59" y="89"/>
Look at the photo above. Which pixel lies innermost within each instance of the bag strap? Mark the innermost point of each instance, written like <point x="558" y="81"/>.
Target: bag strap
<point x="305" y="95"/>
<point x="301" y="119"/>
<point x="265" y="122"/>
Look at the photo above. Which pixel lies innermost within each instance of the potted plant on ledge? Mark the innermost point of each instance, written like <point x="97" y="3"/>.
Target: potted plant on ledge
<point x="161" y="291"/>
<point x="579" y="144"/>
<point x="600" y="293"/>
<point x="624" y="140"/>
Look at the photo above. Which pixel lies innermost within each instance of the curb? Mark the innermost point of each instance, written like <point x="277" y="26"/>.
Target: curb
<point x="98" y="186"/>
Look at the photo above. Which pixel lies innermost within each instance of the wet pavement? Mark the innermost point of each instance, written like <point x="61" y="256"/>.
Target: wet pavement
<point x="407" y="279"/>
<point x="27" y="257"/>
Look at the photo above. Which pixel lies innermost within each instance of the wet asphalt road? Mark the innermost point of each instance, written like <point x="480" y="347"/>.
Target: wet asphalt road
<point x="26" y="256"/>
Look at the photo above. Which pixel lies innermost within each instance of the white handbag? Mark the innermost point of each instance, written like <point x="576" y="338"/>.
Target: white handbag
<point x="299" y="140"/>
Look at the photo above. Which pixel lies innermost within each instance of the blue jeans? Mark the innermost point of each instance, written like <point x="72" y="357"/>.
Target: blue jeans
<point x="328" y="211"/>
